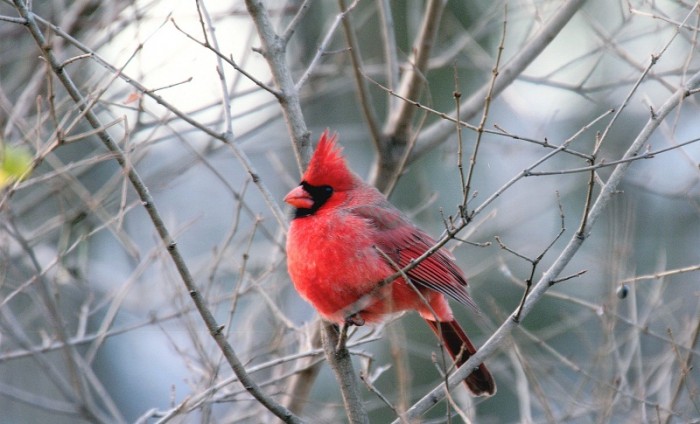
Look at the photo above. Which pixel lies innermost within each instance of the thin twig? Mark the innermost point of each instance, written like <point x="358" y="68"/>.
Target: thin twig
<point x="605" y="164"/>
<point x="538" y="259"/>
<point x="466" y="188"/>
<point x="322" y="49"/>
<point x="499" y="130"/>
<point x="296" y="20"/>
<point x="457" y="95"/>
<point x="658" y="275"/>
<point x="368" y="382"/>
<point x="228" y="59"/>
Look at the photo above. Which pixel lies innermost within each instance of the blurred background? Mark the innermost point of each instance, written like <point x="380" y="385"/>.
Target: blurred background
<point x="97" y="326"/>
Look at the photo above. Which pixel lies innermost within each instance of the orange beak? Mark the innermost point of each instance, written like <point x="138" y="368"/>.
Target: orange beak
<point x="299" y="198"/>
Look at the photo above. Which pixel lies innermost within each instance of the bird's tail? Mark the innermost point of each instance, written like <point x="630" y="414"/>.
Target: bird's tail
<point x="480" y="382"/>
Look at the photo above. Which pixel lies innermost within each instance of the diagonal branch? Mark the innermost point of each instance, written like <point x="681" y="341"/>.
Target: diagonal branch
<point x="500" y="337"/>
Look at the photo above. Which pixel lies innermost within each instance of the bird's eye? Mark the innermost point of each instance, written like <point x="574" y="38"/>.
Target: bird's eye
<point x="319" y="193"/>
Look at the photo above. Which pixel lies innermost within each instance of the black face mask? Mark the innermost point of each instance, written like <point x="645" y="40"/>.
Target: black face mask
<point x="319" y="194"/>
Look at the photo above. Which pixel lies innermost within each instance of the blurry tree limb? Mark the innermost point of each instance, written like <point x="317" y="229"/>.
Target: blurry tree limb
<point x="296" y="20"/>
<point x="87" y="410"/>
<point x="398" y="124"/>
<point x="397" y="135"/>
<point x="662" y="274"/>
<point x="300" y="385"/>
<point x="500" y="336"/>
<point x="366" y="103"/>
<point x="322" y="49"/>
<point x="686" y="367"/>
<point x="168" y="242"/>
<point x="391" y="55"/>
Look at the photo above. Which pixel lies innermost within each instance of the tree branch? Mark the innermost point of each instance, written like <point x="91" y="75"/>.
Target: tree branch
<point x="436" y="133"/>
<point x="397" y="140"/>
<point x="500" y="336"/>
<point x="274" y="49"/>
<point x="339" y="360"/>
<point x="153" y="213"/>
<point x="366" y="103"/>
<point x="398" y="124"/>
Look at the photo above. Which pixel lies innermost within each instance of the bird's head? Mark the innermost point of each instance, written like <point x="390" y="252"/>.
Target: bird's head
<point x="327" y="175"/>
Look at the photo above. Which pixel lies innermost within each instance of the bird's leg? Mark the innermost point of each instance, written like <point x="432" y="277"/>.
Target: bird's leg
<point x="354" y="319"/>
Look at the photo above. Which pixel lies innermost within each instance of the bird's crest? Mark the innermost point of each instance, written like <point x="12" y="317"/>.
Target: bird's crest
<point x="328" y="166"/>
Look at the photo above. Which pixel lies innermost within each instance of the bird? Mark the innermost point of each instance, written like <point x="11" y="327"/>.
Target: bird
<point x="345" y="239"/>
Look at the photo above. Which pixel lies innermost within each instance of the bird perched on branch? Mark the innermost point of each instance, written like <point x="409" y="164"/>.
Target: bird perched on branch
<point x="346" y="247"/>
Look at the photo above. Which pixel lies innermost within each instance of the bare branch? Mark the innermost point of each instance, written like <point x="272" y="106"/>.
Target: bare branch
<point x="366" y="103"/>
<point x="398" y="125"/>
<point x="148" y="203"/>
<point x="339" y="360"/>
<point x="436" y="133"/>
<point x="499" y="336"/>
<point x="274" y="48"/>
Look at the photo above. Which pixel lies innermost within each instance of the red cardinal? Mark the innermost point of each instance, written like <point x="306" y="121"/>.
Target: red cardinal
<point x="346" y="238"/>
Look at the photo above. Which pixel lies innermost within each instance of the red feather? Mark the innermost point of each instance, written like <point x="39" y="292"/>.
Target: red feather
<point x="346" y="238"/>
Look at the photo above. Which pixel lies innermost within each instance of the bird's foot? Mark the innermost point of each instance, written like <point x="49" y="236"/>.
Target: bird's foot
<point x="354" y="319"/>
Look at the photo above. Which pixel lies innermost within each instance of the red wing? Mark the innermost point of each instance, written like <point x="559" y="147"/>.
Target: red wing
<point x="403" y="242"/>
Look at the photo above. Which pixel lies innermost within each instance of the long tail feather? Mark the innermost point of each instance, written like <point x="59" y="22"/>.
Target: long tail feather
<point x="455" y="340"/>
